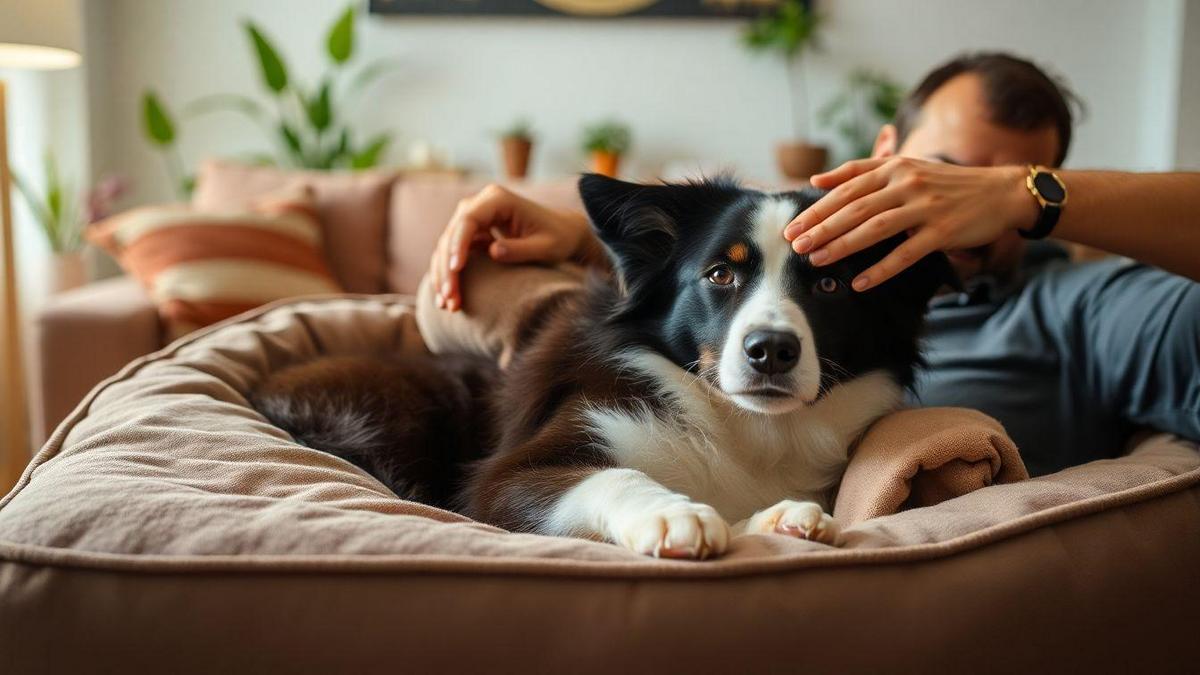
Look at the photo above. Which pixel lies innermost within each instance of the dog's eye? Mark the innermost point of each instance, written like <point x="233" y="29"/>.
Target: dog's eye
<point x="720" y="275"/>
<point x="828" y="285"/>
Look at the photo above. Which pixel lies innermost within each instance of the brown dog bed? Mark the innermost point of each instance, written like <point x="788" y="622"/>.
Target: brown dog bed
<point x="167" y="527"/>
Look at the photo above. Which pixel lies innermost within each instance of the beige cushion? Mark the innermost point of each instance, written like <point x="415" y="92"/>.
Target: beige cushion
<point x="166" y="526"/>
<point x="353" y="207"/>
<point x="421" y="208"/>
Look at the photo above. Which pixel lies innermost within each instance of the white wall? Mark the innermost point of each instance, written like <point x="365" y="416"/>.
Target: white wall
<point x="1187" y="146"/>
<point x="686" y="86"/>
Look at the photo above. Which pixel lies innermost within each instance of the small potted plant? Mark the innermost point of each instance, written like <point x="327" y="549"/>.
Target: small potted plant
<point x="62" y="214"/>
<point x="606" y="142"/>
<point x="516" y="143"/>
<point x="788" y="31"/>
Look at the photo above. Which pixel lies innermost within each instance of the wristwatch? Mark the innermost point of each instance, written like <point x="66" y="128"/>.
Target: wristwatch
<point x="1051" y="193"/>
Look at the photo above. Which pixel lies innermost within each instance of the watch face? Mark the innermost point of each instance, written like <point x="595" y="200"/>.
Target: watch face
<point x="1049" y="188"/>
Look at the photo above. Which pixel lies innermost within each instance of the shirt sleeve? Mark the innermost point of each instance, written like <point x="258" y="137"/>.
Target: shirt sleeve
<point x="1133" y="334"/>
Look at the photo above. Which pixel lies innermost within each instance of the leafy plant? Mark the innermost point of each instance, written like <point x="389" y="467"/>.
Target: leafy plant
<point x="609" y="136"/>
<point x="787" y="31"/>
<point x="521" y="129"/>
<point x="305" y="125"/>
<point x="869" y="100"/>
<point x="60" y="212"/>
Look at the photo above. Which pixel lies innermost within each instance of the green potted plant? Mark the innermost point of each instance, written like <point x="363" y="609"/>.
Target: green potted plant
<point x="606" y="142"/>
<point x="788" y="31"/>
<point x="62" y="215"/>
<point x="516" y="144"/>
<point x="306" y="126"/>
<point x="869" y="100"/>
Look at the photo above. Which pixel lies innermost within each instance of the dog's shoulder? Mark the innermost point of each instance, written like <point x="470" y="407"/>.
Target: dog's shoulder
<point x="571" y="358"/>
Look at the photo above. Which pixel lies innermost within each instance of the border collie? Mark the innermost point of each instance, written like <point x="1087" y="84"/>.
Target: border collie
<point x="716" y="377"/>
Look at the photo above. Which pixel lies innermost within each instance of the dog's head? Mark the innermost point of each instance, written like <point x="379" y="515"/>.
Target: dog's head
<point x="707" y="279"/>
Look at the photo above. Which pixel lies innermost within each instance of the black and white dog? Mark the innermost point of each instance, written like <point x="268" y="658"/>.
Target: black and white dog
<point x="716" y="377"/>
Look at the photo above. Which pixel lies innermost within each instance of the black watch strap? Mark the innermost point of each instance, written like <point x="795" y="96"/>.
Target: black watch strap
<point x="1051" y="194"/>
<point x="1045" y="223"/>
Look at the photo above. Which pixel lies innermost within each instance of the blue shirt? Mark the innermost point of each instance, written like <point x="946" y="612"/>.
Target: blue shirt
<point x="1071" y="358"/>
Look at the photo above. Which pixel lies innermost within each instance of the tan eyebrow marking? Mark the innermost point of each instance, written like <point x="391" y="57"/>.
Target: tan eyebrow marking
<point x="738" y="253"/>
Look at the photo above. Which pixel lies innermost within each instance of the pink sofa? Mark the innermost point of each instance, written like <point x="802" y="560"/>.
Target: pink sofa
<point x="380" y="231"/>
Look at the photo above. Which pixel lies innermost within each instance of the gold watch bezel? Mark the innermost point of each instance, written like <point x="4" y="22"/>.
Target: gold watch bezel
<point x="1034" y="170"/>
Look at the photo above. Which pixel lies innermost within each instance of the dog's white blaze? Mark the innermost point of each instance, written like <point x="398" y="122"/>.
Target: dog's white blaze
<point x="708" y="448"/>
<point x="769" y="308"/>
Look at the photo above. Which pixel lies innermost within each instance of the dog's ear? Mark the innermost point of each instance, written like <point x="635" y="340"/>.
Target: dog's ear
<point x="635" y="225"/>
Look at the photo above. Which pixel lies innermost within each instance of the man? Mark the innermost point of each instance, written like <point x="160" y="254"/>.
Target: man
<point x="1072" y="359"/>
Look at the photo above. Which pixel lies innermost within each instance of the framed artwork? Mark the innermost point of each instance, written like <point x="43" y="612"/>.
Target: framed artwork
<point x="576" y="8"/>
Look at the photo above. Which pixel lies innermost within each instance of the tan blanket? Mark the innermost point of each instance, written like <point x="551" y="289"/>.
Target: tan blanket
<point x="911" y="458"/>
<point x="922" y="457"/>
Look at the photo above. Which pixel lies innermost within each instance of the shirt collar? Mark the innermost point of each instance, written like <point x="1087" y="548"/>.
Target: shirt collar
<point x="983" y="289"/>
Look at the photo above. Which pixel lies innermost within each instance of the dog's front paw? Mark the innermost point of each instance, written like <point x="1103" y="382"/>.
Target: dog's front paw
<point x="805" y="520"/>
<point x="680" y="530"/>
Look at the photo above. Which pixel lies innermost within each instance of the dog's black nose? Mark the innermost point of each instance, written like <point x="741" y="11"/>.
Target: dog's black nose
<point x="772" y="352"/>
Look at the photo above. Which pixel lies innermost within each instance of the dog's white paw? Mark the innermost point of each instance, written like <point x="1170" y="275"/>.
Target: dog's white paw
<point x="680" y="530"/>
<point x="804" y="520"/>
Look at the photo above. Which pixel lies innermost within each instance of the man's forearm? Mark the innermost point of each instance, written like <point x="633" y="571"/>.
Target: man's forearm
<point x="1152" y="218"/>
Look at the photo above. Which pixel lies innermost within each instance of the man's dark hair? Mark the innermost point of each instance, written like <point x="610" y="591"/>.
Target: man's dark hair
<point x="1021" y="96"/>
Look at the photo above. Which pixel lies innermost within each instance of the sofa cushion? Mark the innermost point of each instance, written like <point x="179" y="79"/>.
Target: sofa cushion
<point x="82" y="336"/>
<point x="421" y="208"/>
<point x="353" y="208"/>
<point x="200" y="268"/>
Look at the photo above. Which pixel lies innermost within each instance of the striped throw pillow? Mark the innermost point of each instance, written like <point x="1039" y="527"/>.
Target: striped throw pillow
<point x="200" y="267"/>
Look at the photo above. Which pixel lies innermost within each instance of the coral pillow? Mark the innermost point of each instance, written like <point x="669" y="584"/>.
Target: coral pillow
<point x="200" y="268"/>
<point x="352" y="205"/>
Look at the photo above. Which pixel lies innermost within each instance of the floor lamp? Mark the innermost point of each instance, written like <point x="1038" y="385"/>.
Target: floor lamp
<point x="35" y="36"/>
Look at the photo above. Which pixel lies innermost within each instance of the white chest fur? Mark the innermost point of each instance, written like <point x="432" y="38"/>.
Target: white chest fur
<point x="738" y="462"/>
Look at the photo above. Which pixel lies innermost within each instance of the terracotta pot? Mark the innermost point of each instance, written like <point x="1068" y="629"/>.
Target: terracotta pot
<point x="66" y="271"/>
<point x="798" y="160"/>
<point x="516" y="156"/>
<point x="605" y="163"/>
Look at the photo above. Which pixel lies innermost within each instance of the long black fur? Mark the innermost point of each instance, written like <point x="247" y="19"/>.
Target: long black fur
<point x="414" y="422"/>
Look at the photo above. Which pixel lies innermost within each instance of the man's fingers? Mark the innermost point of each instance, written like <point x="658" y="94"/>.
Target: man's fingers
<point x="493" y="204"/>
<point x="835" y="177"/>
<point x="877" y="228"/>
<point x="463" y="230"/>
<point x="463" y="233"/>
<point x="453" y="262"/>
<point x="440" y="270"/>
<point x="467" y="226"/>
<point x="539" y="247"/>
<point x="827" y="240"/>
<point x="830" y="204"/>
<point x="901" y="258"/>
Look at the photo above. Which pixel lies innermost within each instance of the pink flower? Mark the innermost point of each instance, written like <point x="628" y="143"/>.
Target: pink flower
<point x="101" y="198"/>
